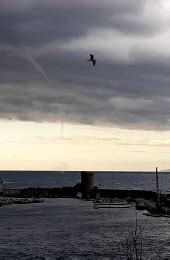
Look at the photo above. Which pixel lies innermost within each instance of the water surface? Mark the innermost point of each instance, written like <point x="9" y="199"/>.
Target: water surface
<point x="72" y="229"/>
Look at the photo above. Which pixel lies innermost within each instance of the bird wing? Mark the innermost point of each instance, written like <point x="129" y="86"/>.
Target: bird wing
<point x="94" y="62"/>
<point x="91" y="56"/>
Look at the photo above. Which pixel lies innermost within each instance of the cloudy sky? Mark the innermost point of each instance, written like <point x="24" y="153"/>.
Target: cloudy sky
<point x="57" y="111"/>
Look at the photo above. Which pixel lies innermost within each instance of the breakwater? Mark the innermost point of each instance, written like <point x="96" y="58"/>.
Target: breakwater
<point x="85" y="190"/>
<point x="73" y="192"/>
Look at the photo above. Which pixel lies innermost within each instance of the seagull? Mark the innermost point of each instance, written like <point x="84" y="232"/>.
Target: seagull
<point x="92" y="59"/>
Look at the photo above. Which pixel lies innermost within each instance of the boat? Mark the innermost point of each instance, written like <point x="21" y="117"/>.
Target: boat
<point x="28" y="200"/>
<point x="140" y="204"/>
<point x="36" y="200"/>
<point x="157" y="214"/>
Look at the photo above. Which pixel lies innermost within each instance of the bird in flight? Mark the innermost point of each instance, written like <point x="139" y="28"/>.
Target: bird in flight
<point x="92" y="59"/>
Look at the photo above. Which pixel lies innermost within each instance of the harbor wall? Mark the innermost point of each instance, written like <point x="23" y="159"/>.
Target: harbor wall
<point x="86" y="189"/>
<point x="72" y="192"/>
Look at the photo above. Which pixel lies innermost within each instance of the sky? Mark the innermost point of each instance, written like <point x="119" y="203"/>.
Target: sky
<point x="58" y="111"/>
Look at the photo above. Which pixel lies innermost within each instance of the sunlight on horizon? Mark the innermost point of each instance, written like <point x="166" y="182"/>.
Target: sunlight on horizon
<point x="42" y="146"/>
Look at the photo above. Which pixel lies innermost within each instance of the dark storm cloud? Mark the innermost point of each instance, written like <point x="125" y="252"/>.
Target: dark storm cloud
<point x="38" y="21"/>
<point x="129" y="87"/>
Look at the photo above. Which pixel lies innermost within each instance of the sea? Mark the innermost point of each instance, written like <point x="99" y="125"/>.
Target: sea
<point x="112" y="180"/>
<point x="71" y="229"/>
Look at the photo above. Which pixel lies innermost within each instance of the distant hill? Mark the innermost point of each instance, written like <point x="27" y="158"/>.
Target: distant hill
<point x="167" y="170"/>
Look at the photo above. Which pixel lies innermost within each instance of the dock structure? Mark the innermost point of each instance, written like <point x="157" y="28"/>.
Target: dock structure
<point x="119" y="205"/>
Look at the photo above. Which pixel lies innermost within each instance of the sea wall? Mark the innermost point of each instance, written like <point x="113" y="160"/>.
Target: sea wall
<point x="73" y="192"/>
